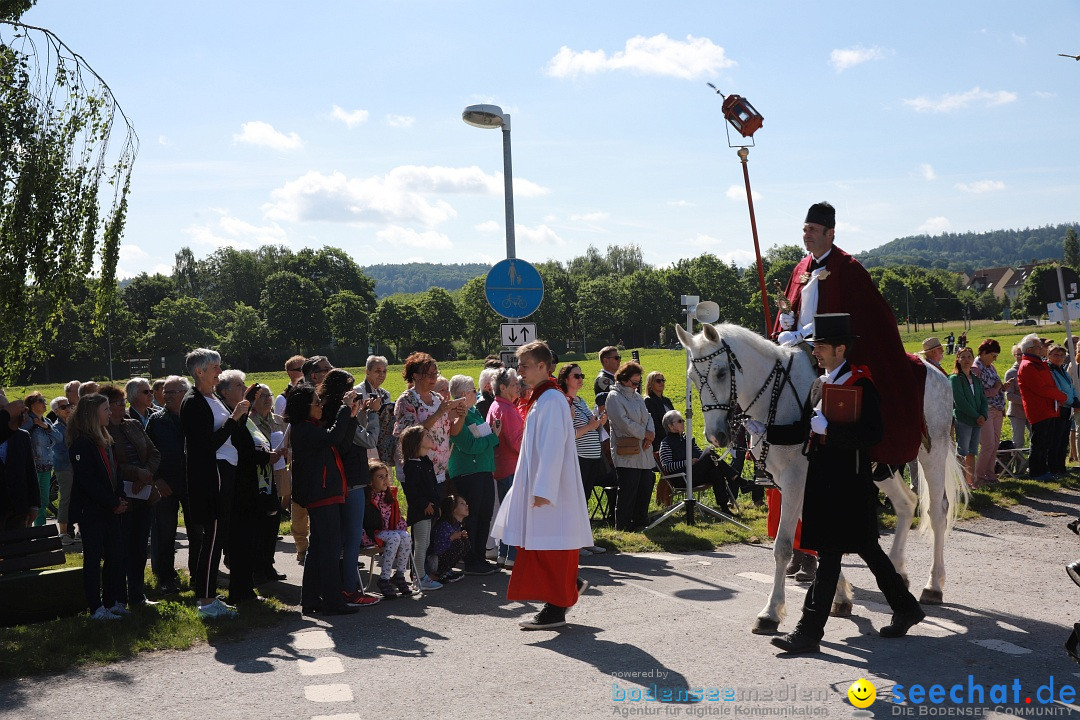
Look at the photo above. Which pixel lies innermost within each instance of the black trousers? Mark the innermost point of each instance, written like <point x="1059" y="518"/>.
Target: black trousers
<point x="819" y="597"/>
<point x="478" y="489"/>
<point x="1059" y="447"/>
<point x="1042" y="440"/>
<point x="266" y="532"/>
<point x="102" y="542"/>
<point x="163" y="537"/>
<point x="242" y="541"/>
<point x="215" y="531"/>
<point x="322" y="584"/>
<point x="633" y="497"/>
<point x="136" y="536"/>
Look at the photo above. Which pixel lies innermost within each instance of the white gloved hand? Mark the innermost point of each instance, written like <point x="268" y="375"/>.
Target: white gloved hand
<point x="819" y="424"/>
<point x="789" y="337"/>
<point x="755" y="427"/>
<point x="787" y="320"/>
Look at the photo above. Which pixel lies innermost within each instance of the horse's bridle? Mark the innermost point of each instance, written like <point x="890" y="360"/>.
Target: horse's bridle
<point x="779" y="378"/>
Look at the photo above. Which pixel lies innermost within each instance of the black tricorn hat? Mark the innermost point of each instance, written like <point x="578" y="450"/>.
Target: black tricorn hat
<point x="832" y="328"/>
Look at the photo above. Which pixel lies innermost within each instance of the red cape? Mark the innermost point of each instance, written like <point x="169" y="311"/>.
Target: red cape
<point x="899" y="376"/>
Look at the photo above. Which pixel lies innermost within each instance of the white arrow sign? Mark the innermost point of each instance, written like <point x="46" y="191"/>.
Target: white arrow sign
<point x="517" y="334"/>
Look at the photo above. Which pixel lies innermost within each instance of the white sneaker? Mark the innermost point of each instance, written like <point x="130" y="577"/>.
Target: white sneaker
<point x="216" y="610"/>
<point x="426" y="583"/>
<point x="119" y="609"/>
<point x="103" y="613"/>
<point x="597" y="550"/>
<point x="492" y="554"/>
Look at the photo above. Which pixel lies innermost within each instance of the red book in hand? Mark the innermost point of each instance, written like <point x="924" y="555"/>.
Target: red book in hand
<point x="841" y="403"/>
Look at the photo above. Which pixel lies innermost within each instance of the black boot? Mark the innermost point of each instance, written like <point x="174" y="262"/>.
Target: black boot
<point x="807" y="634"/>
<point x="808" y="571"/>
<point x="1073" y="569"/>
<point x="795" y="564"/>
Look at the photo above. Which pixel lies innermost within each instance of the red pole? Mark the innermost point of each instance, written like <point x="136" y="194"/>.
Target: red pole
<point x="743" y="154"/>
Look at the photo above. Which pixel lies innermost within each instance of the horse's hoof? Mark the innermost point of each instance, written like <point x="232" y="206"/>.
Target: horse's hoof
<point x="765" y="626"/>
<point x="930" y="597"/>
<point x="841" y="609"/>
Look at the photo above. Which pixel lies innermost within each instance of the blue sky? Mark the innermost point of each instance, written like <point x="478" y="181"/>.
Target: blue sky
<point x="340" y="123"/>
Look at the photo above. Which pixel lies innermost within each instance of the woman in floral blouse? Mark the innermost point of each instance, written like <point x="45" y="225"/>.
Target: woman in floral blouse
<point x="420" y="405"/>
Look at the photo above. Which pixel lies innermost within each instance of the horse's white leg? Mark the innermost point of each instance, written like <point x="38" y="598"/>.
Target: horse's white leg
<point x="768" y="620"/>
<point x="904" y="502"/>
<point x="842" y="600"/>
<point x="946" y="495"/>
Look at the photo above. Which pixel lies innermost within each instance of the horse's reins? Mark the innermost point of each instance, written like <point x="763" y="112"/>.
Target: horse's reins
<point x="779" y="378"/>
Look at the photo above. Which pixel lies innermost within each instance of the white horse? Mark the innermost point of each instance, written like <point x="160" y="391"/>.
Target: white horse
<point x="732" y="366"/>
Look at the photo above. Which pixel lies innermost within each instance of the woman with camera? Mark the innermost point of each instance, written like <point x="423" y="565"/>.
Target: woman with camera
<point x="632" y="435"/>
<point x="708" y="469"/>
<point x="472" y="468"/>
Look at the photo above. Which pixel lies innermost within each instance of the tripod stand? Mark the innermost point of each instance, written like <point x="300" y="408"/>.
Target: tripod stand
<point x="704" y="312"/>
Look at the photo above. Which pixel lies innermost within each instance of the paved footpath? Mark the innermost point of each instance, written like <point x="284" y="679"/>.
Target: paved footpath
<point x="650" y="623"/>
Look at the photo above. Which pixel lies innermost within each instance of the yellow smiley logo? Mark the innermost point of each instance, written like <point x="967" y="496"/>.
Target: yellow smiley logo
<point x="862" y="693"/>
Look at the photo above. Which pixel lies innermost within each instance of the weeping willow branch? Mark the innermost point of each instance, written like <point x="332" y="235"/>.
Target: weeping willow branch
<point x="63" y="189"/>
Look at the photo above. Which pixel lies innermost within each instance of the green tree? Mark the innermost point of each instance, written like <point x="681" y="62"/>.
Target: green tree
<point x="348" y="316"/>
<point x="481" y="324"/>
<point x="333" y="271"/>
<point x="244" y="337"/>
<point x="178" y="325"/>
<point x="555" y="318"/>
<point x="438" y="323"/>
<point x="1031" y="300"/>
<point x="57" y="117"/>
<point x="1072" y="249"/>
<point x="394" y="322"/>
<point x="601" y="307"/>
<point x="293" y="308"/>
<point x="145" y="291"/>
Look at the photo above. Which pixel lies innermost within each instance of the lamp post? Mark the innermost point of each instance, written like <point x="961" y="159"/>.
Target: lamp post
<point x="492" y="116"/>
<point x="742" y="116"/>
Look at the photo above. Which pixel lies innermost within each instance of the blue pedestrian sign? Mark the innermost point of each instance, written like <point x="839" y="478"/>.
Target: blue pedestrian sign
<point x="514" y="288"/>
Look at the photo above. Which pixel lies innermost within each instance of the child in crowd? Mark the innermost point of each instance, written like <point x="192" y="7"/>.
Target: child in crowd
<point x="422" y="494"/>
<point x="383" y="524"/>
<point x="448" y="539"/>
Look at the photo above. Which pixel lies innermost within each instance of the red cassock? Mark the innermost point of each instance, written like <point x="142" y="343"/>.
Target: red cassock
<point x="900" y="376"/>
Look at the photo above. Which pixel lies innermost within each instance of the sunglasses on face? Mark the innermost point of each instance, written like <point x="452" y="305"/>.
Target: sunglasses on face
<point x="579" y="376"/>
<point x="64" y="407"/>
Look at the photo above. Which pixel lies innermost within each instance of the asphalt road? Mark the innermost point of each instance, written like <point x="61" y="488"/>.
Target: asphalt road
<point x="650" y="624"/>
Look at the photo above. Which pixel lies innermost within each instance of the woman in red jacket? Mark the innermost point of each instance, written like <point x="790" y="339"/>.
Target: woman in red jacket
<point x="1041" y="399"/>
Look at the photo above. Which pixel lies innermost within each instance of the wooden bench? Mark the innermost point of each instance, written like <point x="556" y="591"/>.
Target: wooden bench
<point x="32" y="586"/>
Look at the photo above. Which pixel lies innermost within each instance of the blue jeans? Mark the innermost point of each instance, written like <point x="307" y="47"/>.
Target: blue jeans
<point x="967" y="438"/>
<point x="502" y="486"/>
<point x="351" y="533"/>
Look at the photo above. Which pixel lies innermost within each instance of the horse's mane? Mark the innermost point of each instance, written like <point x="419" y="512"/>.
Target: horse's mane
<point x="739" y="334"/>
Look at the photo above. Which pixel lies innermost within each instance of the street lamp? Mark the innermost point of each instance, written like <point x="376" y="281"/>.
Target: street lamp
<point x="492" y="116"/>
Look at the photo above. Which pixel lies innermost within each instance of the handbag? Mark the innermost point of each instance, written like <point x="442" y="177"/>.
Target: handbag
<point x="627" y="446"/>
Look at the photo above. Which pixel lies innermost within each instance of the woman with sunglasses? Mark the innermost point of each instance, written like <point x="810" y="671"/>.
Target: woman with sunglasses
<point x="632" y="434"/>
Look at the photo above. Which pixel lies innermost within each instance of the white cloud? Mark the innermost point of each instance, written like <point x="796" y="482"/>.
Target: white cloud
<point x="680" y="203"/>
<point x="488" y="227"/>
<point x="656" y="55"/>
<point x="161" y="269"/>
<point x="229" y="231"/>
<point x="934" y="226"/>
<point x="129" y="252"/>
<point x="927" y="171"/>
<point x="351" y="118"/>
<point x="843" y="227"/>
<point x="485" y="258"/>
<point x="1043" y="95"/>
<point x="981" y="186"/>
<point x="1019" y="39"/>
<point x="591" y="217"/>
<point x="959" y="101"/>
<point x="402" y="121"/>
<point x="263" y="134"/>
<point x="162" y="140"/>
<point x="428" y="239"/>
<point x="738" y="192"/>
<point x="539" y="235"/>
<point x="413" y="259"/>
<point x="396" y="197"/>
<point x="843" y="58"/>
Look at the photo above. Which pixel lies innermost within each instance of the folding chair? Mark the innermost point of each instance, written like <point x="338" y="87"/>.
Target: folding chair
<point x="603" y="496"/>
<point x="375" y="553"/>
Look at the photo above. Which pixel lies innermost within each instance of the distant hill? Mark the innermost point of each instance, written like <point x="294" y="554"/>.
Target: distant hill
<point x="418" y="277"/>
<point x="964" y="252"/>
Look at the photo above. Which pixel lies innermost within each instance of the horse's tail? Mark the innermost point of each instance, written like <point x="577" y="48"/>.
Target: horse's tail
<point x="956" y="494"/>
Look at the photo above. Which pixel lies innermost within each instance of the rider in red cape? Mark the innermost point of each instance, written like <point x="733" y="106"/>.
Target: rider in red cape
<point x="828" y="280"/>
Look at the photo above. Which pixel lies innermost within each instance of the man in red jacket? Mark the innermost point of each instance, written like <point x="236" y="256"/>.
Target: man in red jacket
<point x="1041" y="399"/>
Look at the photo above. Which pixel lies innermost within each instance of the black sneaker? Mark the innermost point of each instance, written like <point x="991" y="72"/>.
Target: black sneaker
<point x="452" y="576"/>
<point x="549" y="617"/>
<point x="480" y="567"/>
